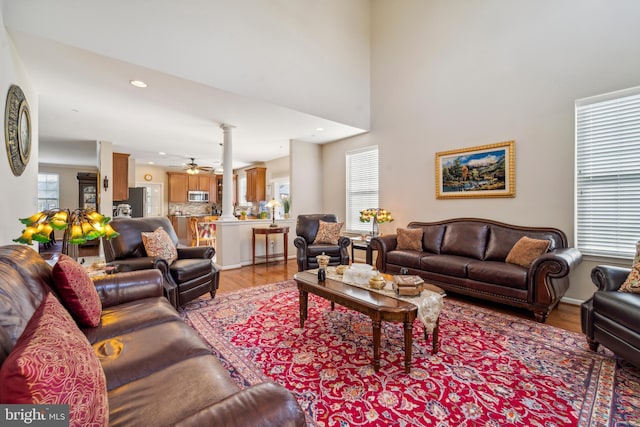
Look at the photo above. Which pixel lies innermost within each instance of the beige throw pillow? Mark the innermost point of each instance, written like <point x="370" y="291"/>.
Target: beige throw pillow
<point x="328" y="233"/>
<point x="526" y="250"/>
<point x="632" y="283"/>
<point x="159" y="244"/>
<point x="409" y="239"/>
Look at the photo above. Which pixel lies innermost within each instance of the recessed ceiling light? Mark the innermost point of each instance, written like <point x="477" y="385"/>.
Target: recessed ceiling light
<point x="138" y="83"/>
<point x="162" y="153"/>
<point x="151" y="163"/>
<point x="320" y="129"/>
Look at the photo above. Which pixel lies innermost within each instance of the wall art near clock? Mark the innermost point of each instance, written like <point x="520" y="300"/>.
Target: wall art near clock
<point x="484" y="171"/>
<point x="17" y="130"/>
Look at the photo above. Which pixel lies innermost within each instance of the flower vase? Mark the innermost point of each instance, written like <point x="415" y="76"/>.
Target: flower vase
<point x="376" y="229"/>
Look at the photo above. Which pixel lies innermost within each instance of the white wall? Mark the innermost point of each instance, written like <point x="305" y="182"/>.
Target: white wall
<point x="19" y="193"/>
<point x="449" y="75"/>
<point x="307" y="181"/>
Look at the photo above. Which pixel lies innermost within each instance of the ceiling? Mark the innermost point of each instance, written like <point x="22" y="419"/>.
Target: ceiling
<point x="84" y="97"/>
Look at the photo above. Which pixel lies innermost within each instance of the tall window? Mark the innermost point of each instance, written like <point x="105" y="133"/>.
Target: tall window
<point x="608" y="174"/>
<point x="362" y="186"/>
<point x="48" y="191"/>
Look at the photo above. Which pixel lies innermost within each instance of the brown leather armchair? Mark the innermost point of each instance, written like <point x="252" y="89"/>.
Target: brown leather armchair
<point x="610" y="317"/>
<point x="188" y="277"/>
<point x="306" y="230"/>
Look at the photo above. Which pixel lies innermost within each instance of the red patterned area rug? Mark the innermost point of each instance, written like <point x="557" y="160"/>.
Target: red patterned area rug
<point x="492" y="369"/>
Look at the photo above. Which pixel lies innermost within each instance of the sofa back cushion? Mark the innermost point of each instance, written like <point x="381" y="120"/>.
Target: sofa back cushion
<point x="129" y="243"/>
<point x="503" y="239"/>
<point x="432" y="237"/>
<point x="53" y="363"/>
<point x="468" y="239"/>
<point x="25" y="279"/>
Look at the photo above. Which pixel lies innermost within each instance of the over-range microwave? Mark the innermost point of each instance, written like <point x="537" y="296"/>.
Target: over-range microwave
<point x="199" y="196"/>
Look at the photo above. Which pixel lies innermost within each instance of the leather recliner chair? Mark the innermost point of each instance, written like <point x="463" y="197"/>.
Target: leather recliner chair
<point x="306" y="230"/>
<point x="188" y="277"/>
<point x="610" y="317"/>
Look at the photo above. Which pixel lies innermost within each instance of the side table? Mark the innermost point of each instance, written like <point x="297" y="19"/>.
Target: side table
<point x="266" y="231"/>
<point x="365" y="245"/>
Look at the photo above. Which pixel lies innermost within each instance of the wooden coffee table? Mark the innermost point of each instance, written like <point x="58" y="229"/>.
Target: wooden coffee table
<point x="377" y="306"/>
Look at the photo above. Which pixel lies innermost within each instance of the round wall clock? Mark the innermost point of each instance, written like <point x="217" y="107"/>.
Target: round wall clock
<point x="17" y="130"/>
<point x="148" y="177"/>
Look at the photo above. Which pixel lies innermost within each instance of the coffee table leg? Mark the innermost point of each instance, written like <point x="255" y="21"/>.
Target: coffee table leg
<point x="436" y="334"/>
<point x="376" y="344"/>
<point x="408" y="345"/>
<point x="304" y="298"/>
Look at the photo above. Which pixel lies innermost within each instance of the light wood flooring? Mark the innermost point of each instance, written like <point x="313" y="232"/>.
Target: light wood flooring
<point x="565" y="316"/>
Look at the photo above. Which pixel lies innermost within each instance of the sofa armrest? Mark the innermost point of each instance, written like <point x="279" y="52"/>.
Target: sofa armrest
<point x="383" y="244"/>
<point x="549" y="275"/>
<point x="608" y="277"/>
<point x="262" y="405"/>
<point x="193" y="252"/>
<point x="119" y="288"/>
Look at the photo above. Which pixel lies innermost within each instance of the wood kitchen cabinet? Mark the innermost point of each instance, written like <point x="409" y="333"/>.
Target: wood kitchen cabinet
<point x="216" y="190"/>
<point x="120" y="178"/>
<point x="178" y="187"/>
<point x="256" y="184"/>
<point x="199" y="182"/>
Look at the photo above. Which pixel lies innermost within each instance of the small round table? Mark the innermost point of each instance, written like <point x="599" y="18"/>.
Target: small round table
<point x="267" y="231"/>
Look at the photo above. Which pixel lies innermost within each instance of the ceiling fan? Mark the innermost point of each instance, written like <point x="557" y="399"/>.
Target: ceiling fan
<point x="192" y="168"/>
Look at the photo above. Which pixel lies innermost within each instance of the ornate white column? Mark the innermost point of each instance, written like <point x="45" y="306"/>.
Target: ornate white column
<point x="227" y="175"/>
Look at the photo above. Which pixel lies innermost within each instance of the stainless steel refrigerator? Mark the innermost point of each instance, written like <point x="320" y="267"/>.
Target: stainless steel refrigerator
<point x="138" y="201"/>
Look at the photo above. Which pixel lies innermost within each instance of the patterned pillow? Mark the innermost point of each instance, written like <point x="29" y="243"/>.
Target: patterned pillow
<point x="328" y="233"/>
<point x="53" y="363"/>
<point x="159" y="244"/>
<point x="526" y="250"/>
<point x="77" y="291"/>
<point x="632" y="283"/>
<point x="409" y="239"/>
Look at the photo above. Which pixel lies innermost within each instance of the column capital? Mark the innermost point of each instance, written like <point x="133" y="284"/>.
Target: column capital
<point x="225" y="126"/>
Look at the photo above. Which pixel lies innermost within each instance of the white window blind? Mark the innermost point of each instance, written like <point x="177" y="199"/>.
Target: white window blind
<point x="608" y="174"/>
<point x="48" y="191"/>
<point x="362" y="186"/>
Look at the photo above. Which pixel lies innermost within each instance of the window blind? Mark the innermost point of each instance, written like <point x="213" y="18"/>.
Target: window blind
<point x="362" y="186"/>
<point x="608" y="174"/>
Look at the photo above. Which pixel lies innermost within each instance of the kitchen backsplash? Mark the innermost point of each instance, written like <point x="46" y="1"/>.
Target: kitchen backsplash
<point x="189" y="209"/>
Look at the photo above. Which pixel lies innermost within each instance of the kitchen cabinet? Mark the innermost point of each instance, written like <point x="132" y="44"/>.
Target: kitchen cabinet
<point x="178" y="187"/>
<point x="256" y="184"/>
<point x="217" y="190"/>
<point x="120" y="178"/>
<point x="199" y="182"/>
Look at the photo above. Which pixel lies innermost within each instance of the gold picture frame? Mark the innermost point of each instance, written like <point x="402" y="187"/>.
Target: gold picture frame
<point x="483" y="171"/>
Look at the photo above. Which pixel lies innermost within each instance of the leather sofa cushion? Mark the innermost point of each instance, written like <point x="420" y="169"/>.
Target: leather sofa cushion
<point x="465" y="239"/>
<point x="319" y="249"/>
<point x="432" y="237"/>
<point x="183" y="270"/>
<point x="499" y="273"/>
<point x="183" y="386"/>
<point x="501" y="240"/>
<point x="410" y="259"/>
<point x="621" y="307"/>
<point x="127" y="317"/>
<point x="450" y="265"/>
<point x="140" y="353"/>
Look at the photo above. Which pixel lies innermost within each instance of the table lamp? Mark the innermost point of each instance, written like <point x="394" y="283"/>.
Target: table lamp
<point x="273" y="204"/>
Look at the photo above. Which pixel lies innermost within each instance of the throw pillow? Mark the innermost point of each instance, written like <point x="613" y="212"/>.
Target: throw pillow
<point x="53" y="363"/>
<point x="159" y="244"/>
<point x="409" y="239"/>
<point x="632" y="283"/>
<point x="328" y="232"/>
<point x="526" y="250"/>
<point x="77" y="291"/>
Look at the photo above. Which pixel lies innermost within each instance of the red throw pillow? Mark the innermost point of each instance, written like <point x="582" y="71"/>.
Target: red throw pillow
<point x="53" y="363"/>
<point x="328" y="232"/>
<point x="77" y="291"/>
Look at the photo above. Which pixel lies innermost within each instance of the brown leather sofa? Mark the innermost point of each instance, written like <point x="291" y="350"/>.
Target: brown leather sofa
<point x="158" y="371"/>
<point x="188" y="277"/>
<point x="306" y="229"/>
<point x="612" y="318"/>
<point x="467" y="256"/>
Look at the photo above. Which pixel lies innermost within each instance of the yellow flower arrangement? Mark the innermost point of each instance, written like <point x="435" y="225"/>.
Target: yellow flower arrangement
<point x="378" y="215"/>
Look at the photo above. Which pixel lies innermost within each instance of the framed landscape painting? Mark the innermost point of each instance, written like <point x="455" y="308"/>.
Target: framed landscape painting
<point x="484" y="171"/>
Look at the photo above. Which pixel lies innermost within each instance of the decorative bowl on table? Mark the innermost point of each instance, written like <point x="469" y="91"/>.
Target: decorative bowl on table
<point x="359" y="274"/>
<point x="340" y="269"/>
<point x="377" y="282"/>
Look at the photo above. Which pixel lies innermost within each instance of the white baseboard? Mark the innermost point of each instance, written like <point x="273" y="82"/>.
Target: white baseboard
<point x="572" y="301"/>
